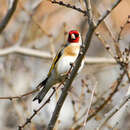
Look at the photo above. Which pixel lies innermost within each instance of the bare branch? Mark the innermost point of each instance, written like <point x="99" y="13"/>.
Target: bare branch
<point x="89" y="10"/>
<point x="107" y="12"/>
<point x="122" y="58"/>
<point x="103" y="103"/>
<point x="20" y="96"/>
<point x="122" y="28"/>
<point x="35" y="19"/>
<point x="113" y="111"/>
<point x="69" y="6"/>
<point x="28" y="120"/>
<point x="87" y="113"/>
<point x="11" y="10"/>
<point x="25" y="51"/>
<point x="46" y="55"/>
<point x="105" y="44"/>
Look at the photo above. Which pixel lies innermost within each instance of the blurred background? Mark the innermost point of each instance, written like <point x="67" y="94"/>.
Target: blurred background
<point x="43" y="26"/>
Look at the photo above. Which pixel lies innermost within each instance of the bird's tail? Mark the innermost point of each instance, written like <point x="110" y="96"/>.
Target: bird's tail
<point x="43" y="92"/>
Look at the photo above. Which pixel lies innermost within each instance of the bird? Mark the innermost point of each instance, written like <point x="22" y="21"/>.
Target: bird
<point x="61" y="64"/>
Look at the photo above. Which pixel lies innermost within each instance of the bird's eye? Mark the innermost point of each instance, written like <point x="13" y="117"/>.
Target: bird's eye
<point x="77" y="35"/>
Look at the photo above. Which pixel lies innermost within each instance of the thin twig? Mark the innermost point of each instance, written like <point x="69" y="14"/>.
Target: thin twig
<point x="23" y="33"/>
<point x="36" y="22"/>
<point x="87" y="114"/>
<point x="69" y="6"/>
<point x="107" y="12"/>
<point x="122" y="60"/>
<point x="114" y="87"/>
<point x="105" y="44"/>
<point x="28" y="120"/>
<point x="7" y="17"/>
<point x="20" y="96"/>
<point x="113" y="111"/>
<point x="122" y="28"/>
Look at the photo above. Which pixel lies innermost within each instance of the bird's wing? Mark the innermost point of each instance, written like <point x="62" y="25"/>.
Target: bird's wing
<point x="55" y="60"/>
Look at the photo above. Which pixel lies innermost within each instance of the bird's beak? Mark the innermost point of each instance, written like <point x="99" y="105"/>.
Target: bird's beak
<point x="73" y="36"/>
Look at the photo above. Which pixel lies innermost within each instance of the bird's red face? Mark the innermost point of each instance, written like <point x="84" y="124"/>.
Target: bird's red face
<point x="73" y="37"/>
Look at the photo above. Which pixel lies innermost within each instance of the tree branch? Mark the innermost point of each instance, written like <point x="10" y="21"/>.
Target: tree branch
<point x="89" y="107"/>
<point x="46" y="55"/>
<point x="89" y="10"/>
<point x="122" y="28"/>
<point x="11" y="10"/>
<point x="25" y="51"/>
<point x="69" y="6"/>
<point x="113" y="111"/>
<point x="77" y="64"/>
<point x="28" y="120"/>
<point x="97" y="108"/>
<point x="20" y="96"/>
<point x="108" y="11"/>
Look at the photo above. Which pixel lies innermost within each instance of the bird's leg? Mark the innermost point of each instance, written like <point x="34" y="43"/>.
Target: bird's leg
<point x="68" y="73"/>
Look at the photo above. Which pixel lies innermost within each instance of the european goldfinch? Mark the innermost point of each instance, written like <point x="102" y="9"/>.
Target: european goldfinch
<point x="61" y="64"/>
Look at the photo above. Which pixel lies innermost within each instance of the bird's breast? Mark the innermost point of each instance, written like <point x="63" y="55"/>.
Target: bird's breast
<point x="64" y="64"/>
<point x="72" y="50"/>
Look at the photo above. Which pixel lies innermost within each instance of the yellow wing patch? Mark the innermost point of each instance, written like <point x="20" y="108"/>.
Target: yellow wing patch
<point x="58" y="55"/>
